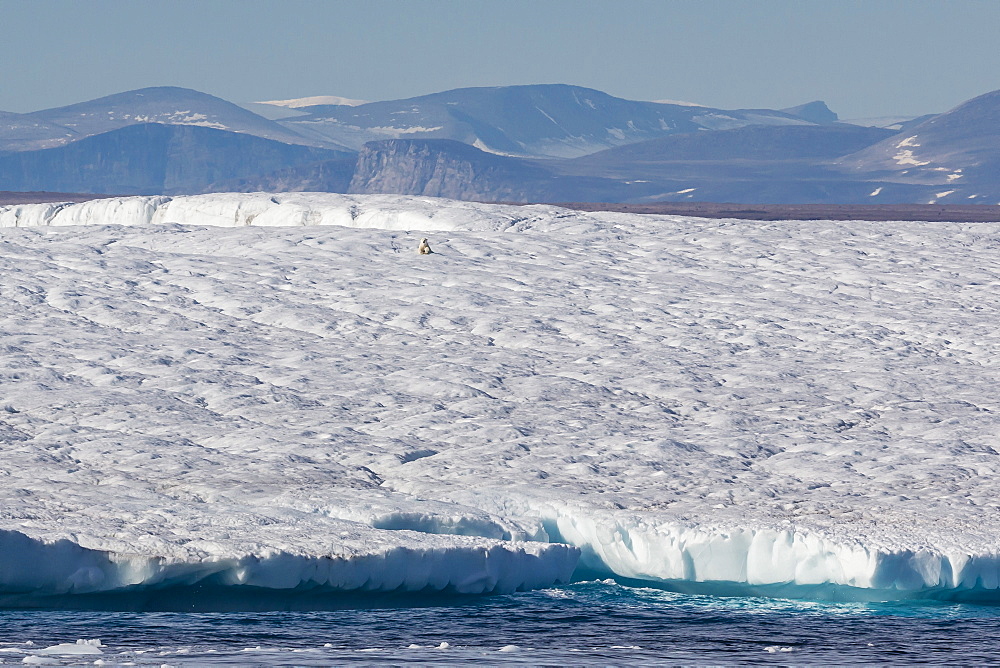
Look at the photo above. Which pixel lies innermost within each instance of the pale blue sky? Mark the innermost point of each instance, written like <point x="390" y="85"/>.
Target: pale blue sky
<point x="864" y="57"/>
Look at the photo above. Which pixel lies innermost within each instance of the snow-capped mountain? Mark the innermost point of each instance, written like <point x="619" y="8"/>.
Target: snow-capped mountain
<point x="166" y="105"/>
<point x="281" y="109"/>
<point x="549" y="121"/>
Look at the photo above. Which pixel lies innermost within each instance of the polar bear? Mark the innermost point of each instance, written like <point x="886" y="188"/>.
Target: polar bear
<point x="424" y="248"/>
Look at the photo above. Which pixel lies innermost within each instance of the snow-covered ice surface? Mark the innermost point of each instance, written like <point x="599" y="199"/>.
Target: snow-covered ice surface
<point x="770" y="405"/>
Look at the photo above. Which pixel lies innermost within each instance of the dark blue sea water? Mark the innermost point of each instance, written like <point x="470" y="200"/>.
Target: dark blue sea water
<point x="598" y="623"/>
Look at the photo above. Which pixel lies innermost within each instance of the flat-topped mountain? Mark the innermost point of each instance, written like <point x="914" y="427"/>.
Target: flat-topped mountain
<point x="816" y="112"/>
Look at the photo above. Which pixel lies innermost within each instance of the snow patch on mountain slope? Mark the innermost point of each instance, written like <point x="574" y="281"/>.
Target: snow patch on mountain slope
<point x="679" y="103"/>
<point x="399" y="132"/>
<point x="905" y="156"/>
<point x="807" y="404"/>
<point x="173" y="118"/>
<point x="315" y="100"/>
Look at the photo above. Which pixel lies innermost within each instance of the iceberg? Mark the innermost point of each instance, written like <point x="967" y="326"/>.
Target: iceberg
<point x="260" y="395"/>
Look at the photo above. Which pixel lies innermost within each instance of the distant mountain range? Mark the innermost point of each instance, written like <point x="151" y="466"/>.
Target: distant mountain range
<point x="517" y="143"/>
<point x="551" y="121"/>
<point x="165" y="105"/>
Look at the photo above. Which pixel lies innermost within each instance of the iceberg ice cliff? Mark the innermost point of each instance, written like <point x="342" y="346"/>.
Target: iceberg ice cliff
<point x="278" y="393"/>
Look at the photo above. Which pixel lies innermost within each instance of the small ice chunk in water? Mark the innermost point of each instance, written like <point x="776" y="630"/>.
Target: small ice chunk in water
<point x="80" y="647"/>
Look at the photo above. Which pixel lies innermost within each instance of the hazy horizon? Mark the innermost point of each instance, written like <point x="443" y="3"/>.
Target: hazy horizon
<point x="865" y="58"/>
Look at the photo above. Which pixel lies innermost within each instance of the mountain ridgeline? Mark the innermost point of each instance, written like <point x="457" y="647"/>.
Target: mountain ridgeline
<point x="516" y="143"/>
<point x="551" y="121"/>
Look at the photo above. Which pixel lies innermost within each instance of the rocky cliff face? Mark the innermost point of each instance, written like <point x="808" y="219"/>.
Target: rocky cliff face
<point x="444" y="168"/>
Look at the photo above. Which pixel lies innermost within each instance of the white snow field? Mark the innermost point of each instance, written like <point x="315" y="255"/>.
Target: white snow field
<point x="759" y="407"/>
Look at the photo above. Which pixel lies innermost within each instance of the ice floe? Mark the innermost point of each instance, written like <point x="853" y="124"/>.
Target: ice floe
<point x="302" y="402"/>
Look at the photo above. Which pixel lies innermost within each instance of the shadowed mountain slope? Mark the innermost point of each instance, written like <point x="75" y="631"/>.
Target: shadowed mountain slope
<point x="152" y="159"/>
<point x="754" y="165"/>
<point x="814" y="112"/>
<point x="774" y="143"/>
<point x="957" y="151"/>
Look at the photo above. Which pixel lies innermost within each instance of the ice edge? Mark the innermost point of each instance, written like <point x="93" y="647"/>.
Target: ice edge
<point x="31" y="568"/>
<point x="783" y="562"/>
